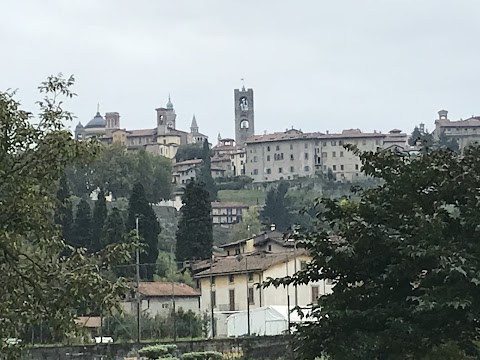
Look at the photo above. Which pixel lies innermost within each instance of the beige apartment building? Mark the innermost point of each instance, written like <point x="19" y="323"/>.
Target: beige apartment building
<point x="292" y="154"/>
<point x="228" y="213"/>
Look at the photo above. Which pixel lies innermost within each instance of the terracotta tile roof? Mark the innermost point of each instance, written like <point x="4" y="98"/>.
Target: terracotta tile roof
<point x="187" y="162"/>
<point x="255" y="262"/>
<point x="156" y="289"/>
<point x="141" y="132"/>
<point x="474" y="121"/>
<point x="290" y="135"/>
<point x="88" y="321"/>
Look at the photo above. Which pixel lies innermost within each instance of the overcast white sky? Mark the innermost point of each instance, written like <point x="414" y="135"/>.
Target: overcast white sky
<point x="317" y="65"/>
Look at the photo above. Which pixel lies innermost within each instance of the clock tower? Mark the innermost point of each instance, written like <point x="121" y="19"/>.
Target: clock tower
<point x="244" y="119"/>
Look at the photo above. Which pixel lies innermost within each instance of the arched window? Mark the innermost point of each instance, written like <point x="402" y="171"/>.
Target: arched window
<point x="244" y="124"/>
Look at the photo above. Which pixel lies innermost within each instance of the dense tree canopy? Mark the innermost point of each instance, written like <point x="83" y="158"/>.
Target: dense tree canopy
<point x="149" y="229"/>
<point x="194" y="234"/>
<point x="64" y="211"/>
<point x="189" y="152"/>
<point x="205" y="175"/>
<point x="276" y="210"/>
<point x="116" y="170"/>
<point x="404" y="259"/>
<point x="82" y="227"/>
<point x="248" y="227"/>
<point x="38" y="284"/>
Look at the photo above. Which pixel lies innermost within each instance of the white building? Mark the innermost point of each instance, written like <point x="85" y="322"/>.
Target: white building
<point x="157" y="298"/>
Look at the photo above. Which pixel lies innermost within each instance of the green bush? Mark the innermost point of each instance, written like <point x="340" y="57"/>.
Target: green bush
<point x="204" y="355"/>
<point x="168" y="357"/>
<point x="156" y="351"/>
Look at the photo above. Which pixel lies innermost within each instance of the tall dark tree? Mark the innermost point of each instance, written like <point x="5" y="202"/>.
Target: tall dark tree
<point x="415" y="137"/>
<point x="64" y="212"/>
<point x="404" y="260"/>
<point x="194" y="234"/>
<point x="99" y="217"/>
<point x="82" y="227"/>
<point x="189" y="152"/>
<point x="114" y="230"/>
<point x="205" y="175"/>
<point x="449" y="142"/>
<point x="276" y="210"/>
<point x="149" y="229"/>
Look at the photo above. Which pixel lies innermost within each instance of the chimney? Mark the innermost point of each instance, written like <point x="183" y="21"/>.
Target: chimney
<point x="272" y="227"/>
<point x="327" y="132"/>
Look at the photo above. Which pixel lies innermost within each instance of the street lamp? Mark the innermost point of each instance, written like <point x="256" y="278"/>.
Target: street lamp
<point x="240" y="258"/>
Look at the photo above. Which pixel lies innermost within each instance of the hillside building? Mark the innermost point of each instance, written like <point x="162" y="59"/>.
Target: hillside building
<point x="466" y="131"/>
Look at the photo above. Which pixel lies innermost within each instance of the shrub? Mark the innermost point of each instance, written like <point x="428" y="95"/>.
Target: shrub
<point x="156" y="351"/>
<point x="204" y="355"/>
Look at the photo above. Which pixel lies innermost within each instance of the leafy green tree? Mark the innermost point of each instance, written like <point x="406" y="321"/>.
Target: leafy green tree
<point x="404" y="260"/>
<point x="98" y="222"/>
<point x="114" y="230"/>
<point x="205" y="175"/>
<point x="194" y="234"/>
<point x="448" y="142"/>
<point x="64" y="212"/>
<point x="149" y="229"/>
<point x="82" y="227"/>
<point x="189" y="152"/>
<point x="276" y="210"/>
<point x="248" y="227"/>
<point x="416" y="135"/>
<point x="39" y="286"/>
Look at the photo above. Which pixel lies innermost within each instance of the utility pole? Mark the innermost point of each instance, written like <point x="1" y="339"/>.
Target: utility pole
<point x="212" y="315"/>
<point x="248" y="297"/>
<point x="139" y="300"/>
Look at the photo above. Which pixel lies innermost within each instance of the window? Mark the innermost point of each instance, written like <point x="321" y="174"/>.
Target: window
<point x="306" y="168"/>
<point x="251" y="299"/>
<point x="212" y="280"/>
<point x="213" y="298"/>
<point x="165" y="306"/>
<point x="268" y="148"/>
<point x="333" y="143"/>
<point x="255" y="171"/>
<point x="281" y="156"/>
<point x="231" y="295"/>
<point x="269" y="247"/>
<point x="334" y="167"/>
<point x="280" y="170"/>
<point x="341" y="153"/>
<point x="334" y="154"/>
<point x="364" y="142"/>
<point x="231" y="278"/>
<point x="306" y="156"/>
<point x="277" y="147"/>
<point x="269" y="171"/>
<point x="340" y="142"/>
<point x="324" y="143"/>
<point x="324" y="167"/>
<point x="317" y="151"/>
<point x="250" y="277"/>
<point x="341" y="167"/>
<point x="314" y="294"/>
<point x="291" y="146"/>
<point x="268" y="157"/>
<point x="255" y="159"/>
<point x="356" y="166"/>
<point x="306" y="145"/>
<point x="303" y="265"/>
<point x="291" y="157"/>
<point x="292" y="169"/>
<point x="377" y="142"/>
<point x="324" y="154"/>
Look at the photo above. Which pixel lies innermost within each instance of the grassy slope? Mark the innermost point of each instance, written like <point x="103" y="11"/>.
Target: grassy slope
<point x="248" y="197"/>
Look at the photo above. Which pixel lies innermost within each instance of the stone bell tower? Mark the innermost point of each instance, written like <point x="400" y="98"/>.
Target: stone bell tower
<point x="244" y="115"/>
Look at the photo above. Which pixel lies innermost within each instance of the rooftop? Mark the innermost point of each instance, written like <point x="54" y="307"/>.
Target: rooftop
<point x="298" y="135"/>
<point x="88" y="321"/>
<point x="228" y="204"/>
<point x="474" y="121"/>
<point x="158" y="289"/>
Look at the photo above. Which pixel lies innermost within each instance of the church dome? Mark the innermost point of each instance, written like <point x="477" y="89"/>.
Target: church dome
<point x="96" y="122"/>
<point x="169" y="103"/>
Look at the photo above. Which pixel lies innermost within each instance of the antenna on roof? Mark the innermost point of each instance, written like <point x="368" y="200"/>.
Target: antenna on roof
<point x="98" y="107"/>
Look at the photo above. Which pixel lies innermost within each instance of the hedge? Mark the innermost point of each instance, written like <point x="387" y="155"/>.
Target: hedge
<point x="156" y="351"/>
<point x="205" y="355"/>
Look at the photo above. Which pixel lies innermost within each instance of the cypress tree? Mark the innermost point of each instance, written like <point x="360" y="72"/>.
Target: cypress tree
<point x="148" y="226"/>
<point x="205" y="174"/>
<point x="82" y="228"/>
<point x="276" y="210"/>
<point x="63" y="212"/>
<point x="99" y="218"/>
<point x="194" y="234"/>
<point x="114" y="230"/>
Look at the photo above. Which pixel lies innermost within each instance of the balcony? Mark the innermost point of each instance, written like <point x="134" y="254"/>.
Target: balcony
<point x="227" y="307"/>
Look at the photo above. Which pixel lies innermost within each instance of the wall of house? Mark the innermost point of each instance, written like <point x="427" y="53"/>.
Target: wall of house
<point x="163" y="305"/>
<point x="238" y="161"/>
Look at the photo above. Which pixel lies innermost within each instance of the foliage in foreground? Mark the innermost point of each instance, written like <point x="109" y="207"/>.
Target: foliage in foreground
<point x="43" y="280"/>
<point x="404" y="258"/>
<point x="204" y="355"/>
<point x="156" y="351"/>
